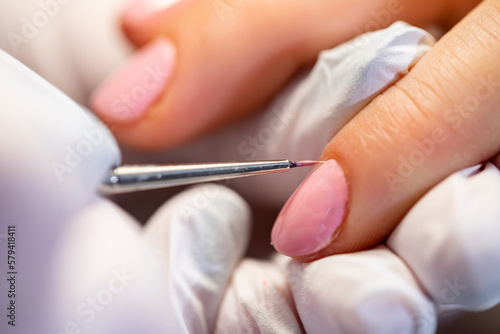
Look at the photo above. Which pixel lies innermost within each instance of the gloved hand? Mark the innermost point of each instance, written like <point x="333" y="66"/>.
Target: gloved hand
<point x="80" y="264"/>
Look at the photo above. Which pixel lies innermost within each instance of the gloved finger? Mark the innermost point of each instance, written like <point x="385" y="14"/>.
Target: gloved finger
<point x="450" y="240"/>
<point x="257" y="300"/>
<point x="59" y="146"/>
<point x="366" y="292"/>
<point x="72" y="254"/>
<point x="92" y="276"/>
<point x="53" y="157"/>
<point x="442" y="117"/>
<point x="198" y="237"/>
<point x="201" y="69"/>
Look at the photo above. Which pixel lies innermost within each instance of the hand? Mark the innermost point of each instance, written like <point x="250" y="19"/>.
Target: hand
<point x="10" y="131"/>
<point x="137" y="257"/>
<point x="378" y="181"/>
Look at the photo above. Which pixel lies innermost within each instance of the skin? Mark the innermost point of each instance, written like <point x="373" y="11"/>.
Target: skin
<point x="210" y="45"/>
<point x="418" y="108"/>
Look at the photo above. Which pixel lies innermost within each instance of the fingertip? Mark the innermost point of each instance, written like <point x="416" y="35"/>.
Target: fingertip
<point x="313" y="216"/>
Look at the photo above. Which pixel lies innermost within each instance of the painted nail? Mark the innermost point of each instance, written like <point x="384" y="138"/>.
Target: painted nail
<point x="315" y="211"/>
<point x="144" y="10"/>
<point x="128" y="94"/>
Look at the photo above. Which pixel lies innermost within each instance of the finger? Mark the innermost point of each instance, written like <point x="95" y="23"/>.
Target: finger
<point x="257" y="300"/>
<point x="321" y="101"/>
<point x="198" y="237"/>
<point x="200" y="69"/>
<point x="355" y="293"/>
<point x="443" y="116"/>
<point x="449" y="240"/>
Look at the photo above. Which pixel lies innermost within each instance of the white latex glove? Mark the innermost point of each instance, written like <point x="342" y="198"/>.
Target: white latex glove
<point x="80" y="264"/>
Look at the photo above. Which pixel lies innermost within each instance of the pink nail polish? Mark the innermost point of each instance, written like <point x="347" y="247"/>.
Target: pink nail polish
<point x="315" y="211"/>
<point x="144" y="10"/>
<point x="128" y="94"/>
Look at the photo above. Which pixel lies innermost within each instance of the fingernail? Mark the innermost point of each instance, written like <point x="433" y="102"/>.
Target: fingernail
<point x="315" y="211"/>
<point x="128" y="94"/>
<point x="143" y="10"/>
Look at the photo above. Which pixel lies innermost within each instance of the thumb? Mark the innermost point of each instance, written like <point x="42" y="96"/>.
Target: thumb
<point x="442" y="117"/>
<point x="205" y="63"/>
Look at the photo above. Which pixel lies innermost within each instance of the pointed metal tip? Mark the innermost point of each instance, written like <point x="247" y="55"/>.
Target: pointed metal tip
<point x="304" y="163"/>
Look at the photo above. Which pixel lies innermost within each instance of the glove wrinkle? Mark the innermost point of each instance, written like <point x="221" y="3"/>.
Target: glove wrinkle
<point x="199" y="236"/>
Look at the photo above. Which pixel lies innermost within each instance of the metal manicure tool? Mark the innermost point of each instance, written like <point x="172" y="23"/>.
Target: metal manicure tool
<point x="125" y="179"/>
